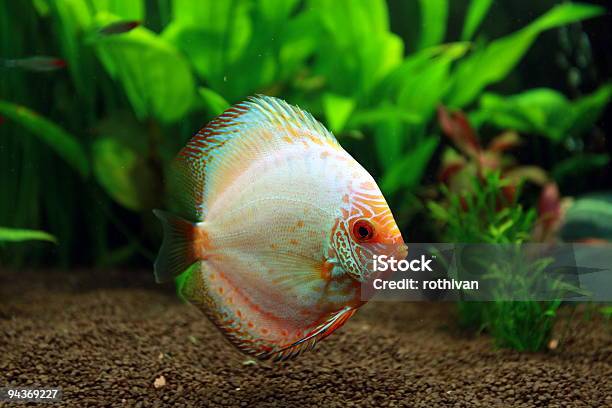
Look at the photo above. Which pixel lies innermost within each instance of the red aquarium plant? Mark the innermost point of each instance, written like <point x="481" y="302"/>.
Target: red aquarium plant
<point x="470" y="159"/>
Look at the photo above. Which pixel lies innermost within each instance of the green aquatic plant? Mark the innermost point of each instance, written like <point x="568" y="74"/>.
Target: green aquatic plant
<point x="101" y="130"/>
<point x="481" y="214"/>
<point x="524" y="325"/>
<point x="20" y="235"/>
<point x="484" y="214"/>
<point x="16" y="235"/>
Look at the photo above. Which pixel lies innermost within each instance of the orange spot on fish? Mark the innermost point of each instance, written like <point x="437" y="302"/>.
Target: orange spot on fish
<point x="267" y="136"/>
<point x="324" y="155"/>
<point x="326" y="268"/>
<point x="264" y="331"/>
<point x="250" y="324"/>
<point x="293" y="242"/>
<point x="300" y="224"/>
<point x="273" y="246"/>
<point x="284" y="333"/>
<point x="238" y="313"/>
<point x="200" y="243"/>
<point x="368" y="185"/>
<point x="315" y="139"/>
<point x="287" y="139"/>
<point x="220" y="289"/>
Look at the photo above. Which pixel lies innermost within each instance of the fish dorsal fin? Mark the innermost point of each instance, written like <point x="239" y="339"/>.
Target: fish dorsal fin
<point x="224" y="147"/>
<point x="333" y="322"/>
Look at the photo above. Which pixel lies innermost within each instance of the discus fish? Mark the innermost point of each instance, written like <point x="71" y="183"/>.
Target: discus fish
<point x="279" y="225"/>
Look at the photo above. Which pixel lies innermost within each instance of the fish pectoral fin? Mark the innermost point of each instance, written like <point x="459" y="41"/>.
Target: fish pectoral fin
<point x="178" y="251"/>
<point x="333" y="322"/>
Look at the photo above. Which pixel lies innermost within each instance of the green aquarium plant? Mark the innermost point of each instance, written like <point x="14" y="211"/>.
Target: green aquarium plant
<point x="480" y="190"/>
<point x="136" y="79"/>
<point x="486" y="215"/>
<point x="20" y="235"/>
<point x="15" y="235"/>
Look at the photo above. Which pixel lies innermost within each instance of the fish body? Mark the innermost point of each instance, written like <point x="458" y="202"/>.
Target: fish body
<point x="282" y="227"/>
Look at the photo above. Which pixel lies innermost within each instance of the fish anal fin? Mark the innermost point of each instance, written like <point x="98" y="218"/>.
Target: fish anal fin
<point x="331" y="324"/>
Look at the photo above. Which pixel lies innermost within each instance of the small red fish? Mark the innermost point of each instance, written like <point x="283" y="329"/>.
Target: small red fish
<point x="119" y="27"/>
<point x="36" y="63"/>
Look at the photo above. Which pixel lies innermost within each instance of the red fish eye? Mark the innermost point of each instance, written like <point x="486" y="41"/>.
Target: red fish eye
<point x="363" y="231"/>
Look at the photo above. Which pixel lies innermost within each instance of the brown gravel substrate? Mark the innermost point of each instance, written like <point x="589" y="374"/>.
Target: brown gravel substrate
<point x="105" y="337"/>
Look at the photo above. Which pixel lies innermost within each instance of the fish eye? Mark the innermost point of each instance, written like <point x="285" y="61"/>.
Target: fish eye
<point x="363" y="231"/>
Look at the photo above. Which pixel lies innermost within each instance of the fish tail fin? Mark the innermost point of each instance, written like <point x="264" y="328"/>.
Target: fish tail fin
<point x="180" y="248"/>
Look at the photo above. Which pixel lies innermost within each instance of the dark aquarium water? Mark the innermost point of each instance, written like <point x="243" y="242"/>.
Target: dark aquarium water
<point x="305" y="203"/>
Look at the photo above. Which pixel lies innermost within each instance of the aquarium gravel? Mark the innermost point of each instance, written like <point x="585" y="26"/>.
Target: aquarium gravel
<point x="111" y="338"/>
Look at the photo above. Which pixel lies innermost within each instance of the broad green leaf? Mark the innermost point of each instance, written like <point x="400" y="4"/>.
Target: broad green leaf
<point x="493" y="62"/>
<point x="299" y="39"/>
<point x="419" y="84"/>
<point x="274" y="11"/>
<point x="579" y="165"/>
<point x="155" y="76"/>
<point x="358" y="49"/>
<point x="41" y="6"/>
<point x="423" y="90"/>
<point x="123" y="173"/>
<point x="433" y="22"/>
<point x="590" y="216"/>
<point x="566" y="13"/>
<point x="476" y="13"/>
<point x="123" y="126"/>
<point x="215" y="103"/>
<point x="588" y="109"/>
<point x="389" y="141"/>
<point x="65" y="145"/>
<point x="352" y="20"/>
<point x="337" y="111"/>
<point x="544" y="111"/>
<point x="213" y="34"/>
<point x="384" y="112"/>
<point x="126" y="9"/>
<point x="408" y="172"/>
<point x="71" y="19"/>
<point x="19" y="235"/>
<point x="418" y="64"/>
